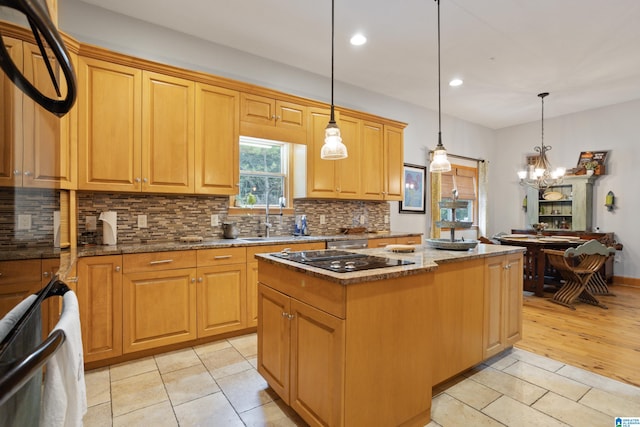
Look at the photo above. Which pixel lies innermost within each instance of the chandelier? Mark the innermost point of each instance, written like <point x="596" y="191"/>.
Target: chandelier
<point x="540" y="175"/>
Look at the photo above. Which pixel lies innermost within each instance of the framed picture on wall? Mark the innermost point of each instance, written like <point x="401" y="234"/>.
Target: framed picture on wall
<point x="414" y="189"/>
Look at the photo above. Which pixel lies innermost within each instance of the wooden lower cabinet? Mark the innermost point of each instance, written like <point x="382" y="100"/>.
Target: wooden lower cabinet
<point x="345" y="355"/>
<point x="18" y="279"/>
<point x="458" y="305"/>
<point x="502" y="303"/>
<point x="221" y="291"/>
<point x="252" y="273"/>
<point x="384" y="241"/>
<point x="99" y="291"/>
<point x="159" y="309"/>
<point x="304" y="352"/>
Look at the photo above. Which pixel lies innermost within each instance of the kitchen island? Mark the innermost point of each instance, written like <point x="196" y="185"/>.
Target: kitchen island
<point x="366" y="347"/>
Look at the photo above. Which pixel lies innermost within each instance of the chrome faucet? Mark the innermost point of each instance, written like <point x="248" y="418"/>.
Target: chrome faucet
<point x="281" y="202"/>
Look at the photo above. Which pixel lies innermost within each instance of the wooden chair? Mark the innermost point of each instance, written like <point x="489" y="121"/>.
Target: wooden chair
<point x="577" y="266"/>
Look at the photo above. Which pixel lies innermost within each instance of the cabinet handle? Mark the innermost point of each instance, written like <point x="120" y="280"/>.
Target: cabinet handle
<point x="278" y="118"/>
<point x="145" y="180"/>
<point x="411" y="242"/>
<point x="273" y="116"/>
<point x="16" y="172"/>
<point x="507" y="267"/>
<point x="137" y="179"/>
<point x="162" y="261"/>
<point x="290" y="316"/>
<point x="200" y="280"/>
<point x="193" y="280"/>
<point x="27" y="173"/>
<point x="284" y="314"/>
<point x="117" y="269"/>
<point x="45" y="274"/>
<point x="222" y="256"/>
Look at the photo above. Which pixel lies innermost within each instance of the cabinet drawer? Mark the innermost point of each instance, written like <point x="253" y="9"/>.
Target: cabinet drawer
<point x="152" y="261"/>
<point x="209" y="257"/>
<point x="409" y="240"/>
<point x="20" y="271"/>
<point x="381" y="243"/>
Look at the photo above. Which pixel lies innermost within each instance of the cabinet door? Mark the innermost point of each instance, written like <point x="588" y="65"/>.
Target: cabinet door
<point x="18" y="279"/>
<point x="48" y="155"/>
<point x="503" y="303"/>
<point x="317" y="365"/>
<point x="493" y="297"/>
<point x="274" y="339"/>
<point x="217" y="168"/>
<point x="168" y="134"/>
<point x="409" y="240"/>
<point x="252" y="294"/>
<point x="513" y="299"/>
<point x="458" y="296"/>
<point x="264" y="117"/>
<point x="372" y="161"/>
<point x="10" y="122"/>
<point x="393" y="163"/>
<point x="100" y="300"/>
<point x="159" y="308"/>
<point x="258" y="109"/>
<point x="109" y="126"/>
<point x="221" y="299"/>
<point x="321" y="175"/>
<point x="348" y="171"/>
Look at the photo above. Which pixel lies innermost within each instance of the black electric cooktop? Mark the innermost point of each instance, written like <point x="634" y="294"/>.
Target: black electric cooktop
<point x="341" y="261"/>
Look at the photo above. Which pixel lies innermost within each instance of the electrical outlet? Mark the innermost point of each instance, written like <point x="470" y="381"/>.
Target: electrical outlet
<point x="90" y="223"/>
<point x="386" y="219"/>
<point x="142" y="221"/>
<point x="215" y="220"/>
<point x="323" y="219"/>
<point x="362" y="219"/>
<point x="24" y="222"/>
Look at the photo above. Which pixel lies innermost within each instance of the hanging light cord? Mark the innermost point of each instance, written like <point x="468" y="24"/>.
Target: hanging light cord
<point x="332" y="119"/>
<point x="439" y="94"/>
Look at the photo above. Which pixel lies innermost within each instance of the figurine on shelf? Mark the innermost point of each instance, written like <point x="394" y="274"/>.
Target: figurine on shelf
<point x="539" y="227"/>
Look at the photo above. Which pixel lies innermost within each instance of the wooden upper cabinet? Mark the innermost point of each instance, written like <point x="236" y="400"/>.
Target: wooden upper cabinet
<point x="168" y="133"/>
<point x="36" y="146"/>
<point x="320" y="176"/>
<point x="393" y="163"/>
<point x="270" y="118"/>
<point x="109" y="136"/>
<point x="10" y="128"/>
<point x="217" y="169"/>
<point x="372" y="169"/>
<point x="348" y="171"/>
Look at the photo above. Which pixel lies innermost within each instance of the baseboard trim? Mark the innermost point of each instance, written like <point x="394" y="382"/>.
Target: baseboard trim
<point x="630" y="281"/>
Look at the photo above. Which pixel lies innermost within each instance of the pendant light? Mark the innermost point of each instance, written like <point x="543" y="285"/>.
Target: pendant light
<point x="440" y="163"/>
<point x="333" y="148"/>
<point x="540" y="175"/>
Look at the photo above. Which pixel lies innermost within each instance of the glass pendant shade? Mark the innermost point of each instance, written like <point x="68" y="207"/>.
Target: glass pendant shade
<point x="333" y="148"/>
<point x="440" y="163"/>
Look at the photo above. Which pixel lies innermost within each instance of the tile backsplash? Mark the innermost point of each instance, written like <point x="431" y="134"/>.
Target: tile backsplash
<point x="35" y="205"/>
<point x="170" y="216"/>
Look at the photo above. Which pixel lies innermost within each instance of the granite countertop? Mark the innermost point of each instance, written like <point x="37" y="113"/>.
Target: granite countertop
<point x="425" y="259"/>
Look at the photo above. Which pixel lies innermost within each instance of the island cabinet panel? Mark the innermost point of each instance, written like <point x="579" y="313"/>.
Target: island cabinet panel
<point x="252" y="272"/>
<point x="503" y="303"/>
<point x="458" y="306"/>
<point x="347" y="355"/>
<point x="99" y="292"/>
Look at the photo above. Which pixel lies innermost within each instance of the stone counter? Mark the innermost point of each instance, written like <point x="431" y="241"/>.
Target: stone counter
<point x="424" y="259"/>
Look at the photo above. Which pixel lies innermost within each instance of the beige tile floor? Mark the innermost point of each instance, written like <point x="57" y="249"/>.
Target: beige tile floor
<point x="217" y="384"/>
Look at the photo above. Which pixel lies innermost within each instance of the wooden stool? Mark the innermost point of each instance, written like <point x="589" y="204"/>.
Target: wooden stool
<point x="578" y="266"/>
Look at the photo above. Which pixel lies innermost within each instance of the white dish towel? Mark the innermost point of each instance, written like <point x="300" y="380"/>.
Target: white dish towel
<point x="65" y="395"/>
<point x="11" y="318"/>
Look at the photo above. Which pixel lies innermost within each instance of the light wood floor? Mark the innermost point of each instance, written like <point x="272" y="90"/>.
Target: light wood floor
<point x="603" y="341"/>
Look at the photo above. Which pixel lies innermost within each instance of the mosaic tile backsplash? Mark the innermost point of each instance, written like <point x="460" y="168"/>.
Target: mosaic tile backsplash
<point x="37" y="207"/>
<point x="170" y="217"/>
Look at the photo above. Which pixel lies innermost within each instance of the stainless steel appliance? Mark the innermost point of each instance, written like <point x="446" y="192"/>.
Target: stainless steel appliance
<point x="348" y="244"/>
<point x="341" y="261"/>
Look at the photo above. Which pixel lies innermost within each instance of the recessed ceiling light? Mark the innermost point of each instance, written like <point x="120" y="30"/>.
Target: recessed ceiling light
<point x="358" y="40"/>
<point x="455" y="82"/>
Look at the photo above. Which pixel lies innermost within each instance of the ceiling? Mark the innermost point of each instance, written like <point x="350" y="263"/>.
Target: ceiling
<point x="586" y="53"/>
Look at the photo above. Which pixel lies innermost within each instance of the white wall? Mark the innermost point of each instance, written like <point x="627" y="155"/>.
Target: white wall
<point x="615" y="128"/>
<point x="100" y="27"/>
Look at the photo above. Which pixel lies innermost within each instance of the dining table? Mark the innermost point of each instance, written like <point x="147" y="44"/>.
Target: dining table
<point x="537" y="271"/>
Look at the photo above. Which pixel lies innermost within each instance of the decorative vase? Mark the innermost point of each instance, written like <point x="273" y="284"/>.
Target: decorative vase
<point x="590" y="172"/>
